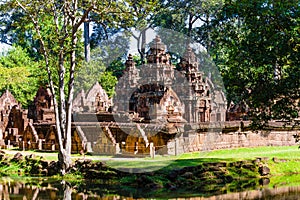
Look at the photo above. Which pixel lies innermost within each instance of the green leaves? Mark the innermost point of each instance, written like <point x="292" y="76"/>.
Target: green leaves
<point x="20" y="74"/>
<point x="108" y="82"/>
<point x="256" y="49"/>
<point x="87" y="74"/>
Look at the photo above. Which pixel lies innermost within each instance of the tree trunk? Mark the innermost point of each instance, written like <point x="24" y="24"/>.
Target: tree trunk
<point x="67" y="23"/>
<point x="208" y="42"/>
<point x="67" y="190"/>
<point x="64" y="161"/>
<point x="62" y="106"/>
<point x="189" y="31"/>
<point x="87" y="50"/>
<point x="64" y="155"/>
<point x="143" y="46"/>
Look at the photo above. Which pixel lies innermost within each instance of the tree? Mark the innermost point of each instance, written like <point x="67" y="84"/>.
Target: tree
<point x="56" y="25"/>
<point x="20" y="74"/>
<point x="190" y="17"/>
<point x="143" y="12"/>
<point x="111" y="53"/>
<point x="108" y="82"/>
<point x="257" y="51"/>
<point x="97" y="70"/>
<point x="13" y="32"/>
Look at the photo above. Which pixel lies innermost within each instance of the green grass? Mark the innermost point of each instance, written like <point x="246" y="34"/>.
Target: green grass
<point x="287" y="180"/>
<point x="282" y="173"/>
<point x="284" y="168"/>
<point x="49" y="156"/>
<point x="291" y="153"/>
<point x="287" y="152"/>
<point x="11" y="170"/>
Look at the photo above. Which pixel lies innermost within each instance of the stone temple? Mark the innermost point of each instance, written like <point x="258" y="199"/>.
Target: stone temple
<point x="157" y="92"/>
<point x="153" y="105"/>
<point x="157" y="109"/>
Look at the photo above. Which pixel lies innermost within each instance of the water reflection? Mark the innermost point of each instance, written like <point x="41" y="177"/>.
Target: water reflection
<point x="49" y="189"/>
<point x="52" y="189"/>
<point x="291" y="193"/>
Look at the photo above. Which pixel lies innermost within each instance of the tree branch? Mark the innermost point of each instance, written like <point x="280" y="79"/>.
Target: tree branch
<point x="83" y="18"/>
<point x="50" y="78"/>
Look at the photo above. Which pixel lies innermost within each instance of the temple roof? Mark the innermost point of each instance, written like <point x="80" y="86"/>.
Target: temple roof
<point x="157" y="52"/>
<point x="7" y="98"/>
<point x="96" y="95"/>
<point x="158" y="44"/>
<point x="95" y="90"/>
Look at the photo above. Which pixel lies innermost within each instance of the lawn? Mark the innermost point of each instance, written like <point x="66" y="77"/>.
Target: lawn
<point x="286" y="152"/>
<point x="290" y="153"/>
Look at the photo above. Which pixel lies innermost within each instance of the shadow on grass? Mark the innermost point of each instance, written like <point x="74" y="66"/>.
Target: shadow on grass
<point x="180" y="163"/>
<point x="141" y="166"/>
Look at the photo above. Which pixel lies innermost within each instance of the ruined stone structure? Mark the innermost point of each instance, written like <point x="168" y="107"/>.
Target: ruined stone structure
<point x="204" y="102"/>
<point x="13" y="119"/>
<point x="157" y="108"/>
<point x="158" y="92"/>
<point x="42" y="109"/>
<point x="41" y="132"/>
<point x="95" y="100"/>
<point x="152" y="106"/>
<point x="7" y="101"/>
<point x="89" y="109"/>
<point x="4" y="114"/>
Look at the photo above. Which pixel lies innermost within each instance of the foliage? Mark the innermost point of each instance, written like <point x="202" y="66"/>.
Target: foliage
<point x="101" y="34"/>
<point x="257" y="51"/>
<point x="108" y="82"/>
<point x="14" y="31"/>
<point x="56" y="28"/>
<point x="110" y="48"/>
<point x="20" y="74"/>
<point x="101" y="68"/>
<point x="143" y="12"/>
<point x="88" y="73"/>
<point x="9" y="169"/>
<point x="137" y="60"/>
<point x="111" y="53"/>
<point x="191" y="18"/>
<point x="117" y="67"/>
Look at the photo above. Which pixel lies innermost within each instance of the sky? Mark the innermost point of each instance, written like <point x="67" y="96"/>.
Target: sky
<point x="4" y="47"/>
<point x="150" y="35"/>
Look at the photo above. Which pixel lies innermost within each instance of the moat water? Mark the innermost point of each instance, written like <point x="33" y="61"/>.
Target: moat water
<point x="50" y="189"/>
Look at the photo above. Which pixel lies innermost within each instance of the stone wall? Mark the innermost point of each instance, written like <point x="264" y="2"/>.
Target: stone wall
<point x="211" y="140"/>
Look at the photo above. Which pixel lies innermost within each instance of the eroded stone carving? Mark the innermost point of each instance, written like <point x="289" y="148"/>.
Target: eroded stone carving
<point x="141" y="92"/>
<point x="42" y="109"/>
<point x="95" y="100"/>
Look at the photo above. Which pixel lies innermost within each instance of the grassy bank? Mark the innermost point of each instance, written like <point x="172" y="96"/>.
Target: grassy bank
<point x="228" y="164"/>
<point x="289" y="153"/>
<point x="218" y="171"/>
